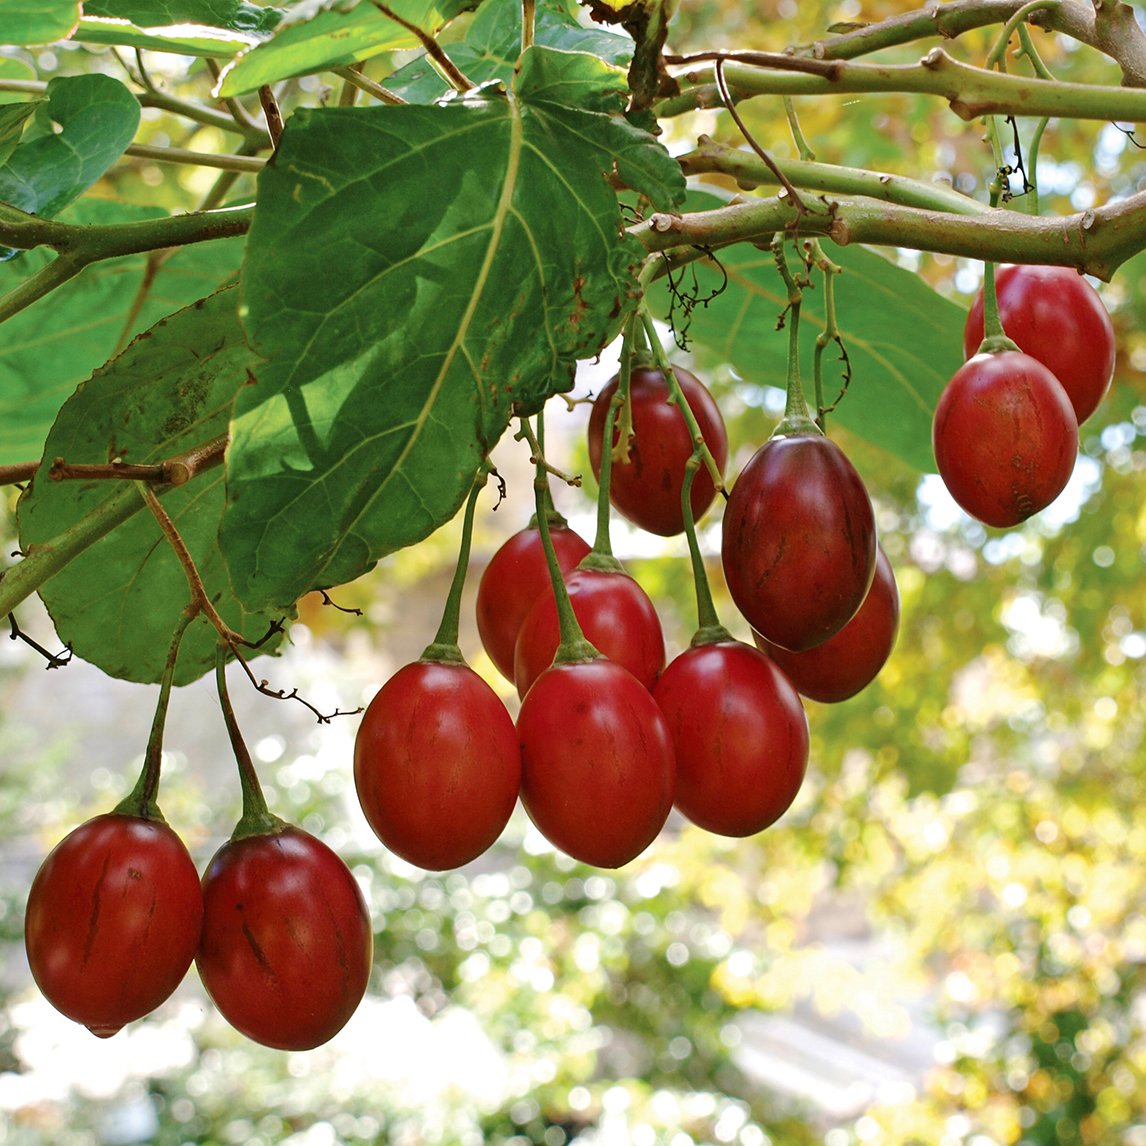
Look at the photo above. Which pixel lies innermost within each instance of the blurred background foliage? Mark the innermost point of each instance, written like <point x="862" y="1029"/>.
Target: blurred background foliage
<point x="940" y="944"/>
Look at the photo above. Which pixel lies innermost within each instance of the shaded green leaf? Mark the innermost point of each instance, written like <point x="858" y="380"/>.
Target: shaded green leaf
<point x="54" y="345"/>
<point x="37" y="21"/>
<point x="317" y="37"/>
<point x="904" y="341"/>
<point x="118" y="602"/>
<point x="13" y="116"/>
<point x="493" y="43"/>
<point x="412" y="272"/>
<point x="97" y="117"/>
<point x="236" y="15"/>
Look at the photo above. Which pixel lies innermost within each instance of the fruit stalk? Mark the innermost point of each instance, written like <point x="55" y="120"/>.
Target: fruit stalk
<point x="709" y="629"/>
<point x="676" y="396"/>
<point x="601" y="556"/>
<point x="444" y="647"/>
<point x="142" y="800"/>
<point x="797" y="417"/>
<point x="257" y="819"/>
<point x="573" y="646"/>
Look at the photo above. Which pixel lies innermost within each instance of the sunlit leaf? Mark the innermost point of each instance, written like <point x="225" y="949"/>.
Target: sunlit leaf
<point x="412" y="273"/>
<point x="493" y="43"/>
<point x="317" y="37"/>
<point x="236" y="15"/>
<point x="37" y="21"/>
<point x="185" y="40"/>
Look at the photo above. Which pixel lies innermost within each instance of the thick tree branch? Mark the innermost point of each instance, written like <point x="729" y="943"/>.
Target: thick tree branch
<point x="711" y="157"/>
<point x="1096" y="241"/>
<point x="78" y="246"/>
<point x="971" y="92"/>
<point x="1114" y="31"/>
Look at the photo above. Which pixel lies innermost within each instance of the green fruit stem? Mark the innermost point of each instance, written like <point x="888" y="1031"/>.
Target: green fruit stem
<point x="797" y="418"/>
<point x="142" y="800"/>
<point x="709" y="629"/>
<point x="257" y="819"/>
<point x="573" y="645"/>
<point x="444" y="648"/>
<point x="601" y="557"/>
<point x="830" y="333"/>
<point x="995" y="339"/>
<point x="676" y="396"/>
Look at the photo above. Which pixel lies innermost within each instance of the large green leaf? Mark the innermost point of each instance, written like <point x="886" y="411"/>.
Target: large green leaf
<point x="318" y="36"/>
<point x="904" y="341"/>
<point x="37" y="21"/>
<point x="54" y="345"/>
<point x="96" y="116"/>
<point x="412" y="272"/>
<point x="118" y="602"/>
<point x="493" y="43"/>
<point x="236" y="15"/>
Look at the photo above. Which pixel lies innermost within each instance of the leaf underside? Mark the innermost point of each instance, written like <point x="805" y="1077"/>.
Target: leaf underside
<point x="118" y="602"/>
<point x="50" y="348"/>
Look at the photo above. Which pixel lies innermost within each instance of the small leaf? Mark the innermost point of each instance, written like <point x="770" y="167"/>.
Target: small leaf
<point x="412" y="273"/>
<point x="54" y="345"/>
<point x="117" y="603"/>
<point x="316" y="37"/>
<point x="13" y="116"/>
<point x="98" y="117"/>
<point x="492" y="46"/>
<point x="37" y="21"/>
<point x="903" y="339"/>
<point x="572" y="91"/>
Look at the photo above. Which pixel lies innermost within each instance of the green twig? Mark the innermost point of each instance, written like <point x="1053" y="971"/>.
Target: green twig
<point x="355" y="80"/>
<point x="79" y="246"/>
<point x="998" y="54"/>
<point x="803" y="148"/>
<point x="434" y="51"/>
<point x="239" y="163"/>
<point x="1114" y="31"/>
<point x="749" y="170"/>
